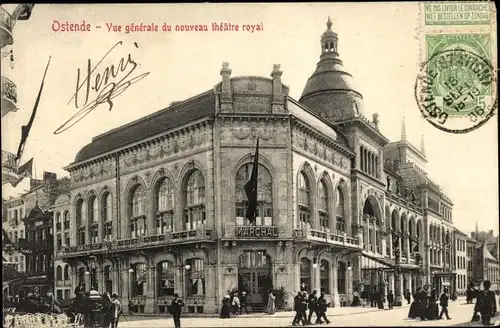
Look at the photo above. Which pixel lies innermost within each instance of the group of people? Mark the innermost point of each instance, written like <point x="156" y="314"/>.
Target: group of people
<point x="34" y="303"/>
<point x="110" y="310"/>
<point x="234" y="304"/>
<point x="316" y="305"/>
<point x="425" y="304"/>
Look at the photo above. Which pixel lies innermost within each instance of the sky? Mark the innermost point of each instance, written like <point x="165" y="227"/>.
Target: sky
<point x="378" y="43"/>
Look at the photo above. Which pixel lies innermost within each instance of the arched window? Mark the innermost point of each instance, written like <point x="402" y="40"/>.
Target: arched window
<point x="264" y="212"/>
<point x="304" y="200"/>
<point x="195" y="273"/>
<point x="194" y="200"/>
<point x="324" y="218"/>
<point x="66" y="220"/>
<point x="80" y="222"/>
<point x="138" y="279"/>
<point x="66" y="272"/>
<point x="108" y="282"/>
<point x="402" y="241"/>
<point x="137" y="217"/>
<point x="340" y="210"/>
<point x="166" y="278"/>
<point x="81" y="275"/>
<point x="324" y="277"/>
<point x="305" y="274"/>
<point x="59" y="275"/>
<point x="165" y="206"/>
<point x="341" y="277"/>
<point x="93" y="219"/>
<point x="58" y="222"/>
<point x="107" y="217"/>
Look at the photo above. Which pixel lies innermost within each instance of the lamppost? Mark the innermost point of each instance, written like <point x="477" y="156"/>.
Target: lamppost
<point x="397" y="270"/>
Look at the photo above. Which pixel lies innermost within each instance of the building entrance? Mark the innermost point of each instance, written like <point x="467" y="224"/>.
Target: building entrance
<point x="254" y="276"/>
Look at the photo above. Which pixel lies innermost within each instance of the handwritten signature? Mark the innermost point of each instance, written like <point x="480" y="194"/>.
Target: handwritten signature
<point x="103" y="85"/>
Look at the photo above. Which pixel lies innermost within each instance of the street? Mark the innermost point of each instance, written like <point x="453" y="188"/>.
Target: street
<point x="460" y="312"/>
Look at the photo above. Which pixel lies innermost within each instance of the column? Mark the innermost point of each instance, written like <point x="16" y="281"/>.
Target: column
<point x="210" y="290"/>
<point x="125" y="286"/>
<point x="335" y="290"/>
<point x="114" y="278"/>
<point x="150" y="292"/>
<point x="349" y="287"/>
<point x="100" y="280"/>
<point x="406" y="239"/>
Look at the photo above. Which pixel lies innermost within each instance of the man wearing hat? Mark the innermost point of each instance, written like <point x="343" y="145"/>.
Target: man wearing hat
<point x="176" y="310"/>
<point x="116" y="310"/>
<point x="243" y="302"/>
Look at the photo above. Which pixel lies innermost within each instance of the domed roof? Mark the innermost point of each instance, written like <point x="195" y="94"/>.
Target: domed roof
<point x="330" y="90"/>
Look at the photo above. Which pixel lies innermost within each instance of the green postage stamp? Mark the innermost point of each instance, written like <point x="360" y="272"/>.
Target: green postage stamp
<point x="456" y="85"/>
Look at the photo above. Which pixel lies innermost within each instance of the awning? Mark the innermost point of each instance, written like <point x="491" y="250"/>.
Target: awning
<point x="369" y="262"/>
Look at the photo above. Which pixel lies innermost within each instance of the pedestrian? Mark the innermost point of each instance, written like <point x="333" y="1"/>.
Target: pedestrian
<point x="363" y="296"/>
<point x="423" y="300"/>
<point x="414" y="307"/>
<point x="381" y="300"/>
<point x="297" y="307"/>
<point x="304" y="306"/>
<point x="433" y="309"/>
<point x="355" y="300"/>
<point x="322" y="307"/>
<point x="225" y="312"/>
<point x="243" y="302"/>
<point x="373" y="296"/>
<point x="176" y="310"/>
<point x="443" y="301"/>
<point x="390" y="300"/>
<point x="486" y="303"/>
<point x="107" y="310"/>
<point x="271" y="303"/>
<point x="408" y="296"/>
<point x="117" y="310"/>
<point x="236" y="303"/>
<point x="312" y="303"/>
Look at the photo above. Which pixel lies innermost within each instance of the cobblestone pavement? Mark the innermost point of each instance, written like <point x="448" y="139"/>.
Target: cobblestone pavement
<point x="348" y="317"/>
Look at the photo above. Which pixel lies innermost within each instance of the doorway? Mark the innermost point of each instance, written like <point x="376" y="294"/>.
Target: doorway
<point x="254" y="276"/>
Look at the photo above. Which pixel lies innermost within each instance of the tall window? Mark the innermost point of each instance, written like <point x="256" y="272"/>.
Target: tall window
<point x="107" y="279"/>
<point x="166" y="278"/>
<point x="165" y="206"/>
<point x="264" y="213"/>
<point x="138" y="279"/>
<point x="402" y="240"/>
<point x="324" y="277"/>
<point x="66" y="220"/>
<point x="66" y="272"/>
<point x="305" y="274"/>
<point x="194" y="200"/>
<point x="59" y="274"/>
<point x="107" y="218"/>
<point x="94" y="220"/>
<point x="324" y="218"/>
<point x="304" y="200"/>
<point x="340" y="209"/>
<point x="195" y="277"/>
<point x="58" y="222"/>
<point x="137" y="218"/>
<point x="79" y="222"/>
<point x="341" y="276"/>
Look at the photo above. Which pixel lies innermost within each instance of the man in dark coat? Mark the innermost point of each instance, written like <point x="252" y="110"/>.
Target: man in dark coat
<point x="408" y="296"/>
<point x="243" y="302"/>
<point x="322" y="307"/>
<point x="364" y="296"/>
<point x="304" y="306"/>
<point x="486" y="303"/>
<point x="390" y="299"/>
<point x="443" y="301"/>
<point x="297" y="307"/>
<point x="373" y="296"/>
<point x="423" y="299"/>
<point x="176" y="310"/>
<point x="313" y="306"/>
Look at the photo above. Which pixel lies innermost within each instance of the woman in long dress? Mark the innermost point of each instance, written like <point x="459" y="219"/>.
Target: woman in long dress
<point x="271" y="305"/>
<point x="433" y="309"/>
<point x="413" y="313"/>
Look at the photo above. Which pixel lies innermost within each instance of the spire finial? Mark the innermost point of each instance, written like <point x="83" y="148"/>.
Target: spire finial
<point x="329" y="23"/>
<point x="403" y="130"/>
<point x="422" y="145"/>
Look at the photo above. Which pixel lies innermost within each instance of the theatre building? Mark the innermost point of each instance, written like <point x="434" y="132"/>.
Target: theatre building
<point x="157" y="206"/>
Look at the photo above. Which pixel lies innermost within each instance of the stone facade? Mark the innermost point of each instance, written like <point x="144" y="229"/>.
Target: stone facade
<point x="156" y="209"/>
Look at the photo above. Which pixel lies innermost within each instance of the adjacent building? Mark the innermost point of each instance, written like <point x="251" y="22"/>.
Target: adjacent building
<point x="157" y="206"/>
<point x="13" y="225"/>
<point x="31" y="228"/>
<point x="461" y="261"/>
<point x="487" y="258"/>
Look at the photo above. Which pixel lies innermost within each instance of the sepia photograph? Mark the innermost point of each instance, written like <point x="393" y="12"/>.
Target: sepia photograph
<point x="250" y="165"/>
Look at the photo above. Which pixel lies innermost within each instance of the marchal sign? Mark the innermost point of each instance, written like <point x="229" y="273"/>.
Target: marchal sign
<point x="253" y="231"/>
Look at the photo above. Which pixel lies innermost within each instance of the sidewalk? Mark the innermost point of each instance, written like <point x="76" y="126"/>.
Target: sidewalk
<point x="332" y="312"/>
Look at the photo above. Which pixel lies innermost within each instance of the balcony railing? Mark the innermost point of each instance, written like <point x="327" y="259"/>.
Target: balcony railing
<point x="6" y="23"/>
<point x="139" y="242"/>
<point x="330" y="237"/>
<point x="9" y="162"/>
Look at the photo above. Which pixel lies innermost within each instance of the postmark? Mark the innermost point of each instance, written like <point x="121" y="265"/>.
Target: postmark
<point x="456" y="87"/>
